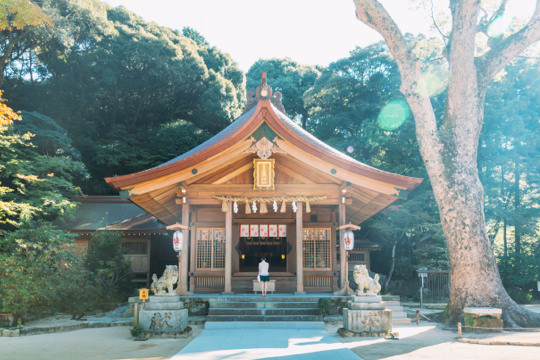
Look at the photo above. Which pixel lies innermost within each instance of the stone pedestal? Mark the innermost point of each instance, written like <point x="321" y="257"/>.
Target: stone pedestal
<point x="482" y="319"/>
<point x="164" y="315"/>
<point x="367" y="315"/>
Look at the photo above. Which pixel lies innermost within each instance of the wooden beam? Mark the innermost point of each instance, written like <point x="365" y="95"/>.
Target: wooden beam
<point x="205" y="166"/>
<point x="234" y="173"/>
<point x="290" y="189"/>
<point x="337" y="172"/>
<point x="293" y="174"/>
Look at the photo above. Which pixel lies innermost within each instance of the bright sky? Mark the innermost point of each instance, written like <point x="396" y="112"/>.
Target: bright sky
<point x="312" y="32"/>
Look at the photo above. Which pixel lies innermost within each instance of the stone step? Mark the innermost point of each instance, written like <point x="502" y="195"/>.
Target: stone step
<point x="269" y="298"/>
<point x="266" y="305"/>
<point x="264" y="318"/>
<point x="284" y="311"/>
<point x="213" y="325"/>
<point x="399" y="315"/>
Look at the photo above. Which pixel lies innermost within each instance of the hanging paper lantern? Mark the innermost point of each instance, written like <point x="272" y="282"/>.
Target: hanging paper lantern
<point x="348" y="240"/>
<point x="178" y="240"/>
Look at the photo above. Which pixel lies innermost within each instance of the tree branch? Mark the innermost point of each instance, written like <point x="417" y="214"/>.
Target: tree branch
<point x="505" y="50"/>
<point x="373" y="14"/>
<point x="484" y="21"/>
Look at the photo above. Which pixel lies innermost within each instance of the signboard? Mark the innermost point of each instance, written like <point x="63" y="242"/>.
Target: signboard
<point x="263" y="174"/>
<point x="143" y="294"/>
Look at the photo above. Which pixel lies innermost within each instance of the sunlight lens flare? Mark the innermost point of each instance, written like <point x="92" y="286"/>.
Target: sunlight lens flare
<point x="498" y="26"/>
<point x="434" y="81"/>
<point x="393" y="115"/>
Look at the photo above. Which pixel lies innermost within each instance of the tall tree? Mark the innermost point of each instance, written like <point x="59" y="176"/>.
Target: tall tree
<point x="450" y="149"/>
<point x="35" y="184"/>
<point x="20" y="22"/>
<point x="112" y="77"/>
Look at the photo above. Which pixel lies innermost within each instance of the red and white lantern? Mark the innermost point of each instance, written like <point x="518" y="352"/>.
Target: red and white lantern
<point x="178" y="240"/>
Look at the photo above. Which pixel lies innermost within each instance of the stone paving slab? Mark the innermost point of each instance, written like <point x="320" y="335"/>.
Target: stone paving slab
<point x="265" y="340"/>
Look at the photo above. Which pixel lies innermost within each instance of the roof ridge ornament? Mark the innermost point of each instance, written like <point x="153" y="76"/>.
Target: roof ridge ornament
<point x="264" y="92"/>
<point x="264" y="148"/>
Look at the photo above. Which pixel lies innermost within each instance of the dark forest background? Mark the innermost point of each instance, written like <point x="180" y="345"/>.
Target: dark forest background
<point x="102" y="92"/>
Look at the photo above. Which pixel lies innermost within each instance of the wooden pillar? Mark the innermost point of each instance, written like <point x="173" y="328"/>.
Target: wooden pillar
<point x="228" y="247"/>
<point x="342" y="254"/>
<point x="183" y="259"/>
<point x="299" y="252"/>
<point x="193" y="249"/>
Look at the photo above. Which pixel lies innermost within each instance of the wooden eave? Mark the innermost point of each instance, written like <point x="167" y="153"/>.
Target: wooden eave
<point x="208" y="170"/>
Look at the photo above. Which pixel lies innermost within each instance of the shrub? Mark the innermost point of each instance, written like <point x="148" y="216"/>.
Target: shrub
<point x="110" y="271"/>
<point x="40" y="271"/>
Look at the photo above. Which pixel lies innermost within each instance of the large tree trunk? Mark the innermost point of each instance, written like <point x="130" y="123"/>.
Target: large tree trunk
<point x="450" y="151"/>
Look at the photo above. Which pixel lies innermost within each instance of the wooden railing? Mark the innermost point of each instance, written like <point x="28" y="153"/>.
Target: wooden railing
<point x="209" y="282"/>
<point x="319" y="282"/>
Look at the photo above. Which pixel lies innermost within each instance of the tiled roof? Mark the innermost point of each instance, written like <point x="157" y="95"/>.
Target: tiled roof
<point x="110" y="213"/>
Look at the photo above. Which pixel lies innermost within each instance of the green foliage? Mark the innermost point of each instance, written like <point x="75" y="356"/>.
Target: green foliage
<point x="344" y="105"/>
<point x="291" y="79"/>
<point x="40" y="271"/>
<point x="110" y="271"/>
<point x="111" y="80"/>
<point x="34" y="184"/>
<point x="329" y="306"/>
<point x="509" y="170"/>
<point x="194" y="35"/>
<point x="136" y="330"/>
<point x="325" y="305"/>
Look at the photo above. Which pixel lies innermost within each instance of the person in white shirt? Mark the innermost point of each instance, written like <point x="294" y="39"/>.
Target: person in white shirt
<point x="264" y="276"/>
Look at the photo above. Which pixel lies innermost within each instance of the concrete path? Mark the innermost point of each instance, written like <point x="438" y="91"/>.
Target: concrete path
<point x="265" y="340"/>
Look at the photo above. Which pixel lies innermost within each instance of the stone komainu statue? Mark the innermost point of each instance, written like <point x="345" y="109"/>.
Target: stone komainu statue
<point x="363" y="281"/>
<point x="164" y="285"/>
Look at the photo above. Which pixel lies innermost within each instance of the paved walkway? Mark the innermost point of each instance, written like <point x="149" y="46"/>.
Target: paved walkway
<point x="265" y="340"/>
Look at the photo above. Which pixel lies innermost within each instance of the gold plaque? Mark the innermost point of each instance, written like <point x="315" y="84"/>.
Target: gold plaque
<point x="263" y="174"/>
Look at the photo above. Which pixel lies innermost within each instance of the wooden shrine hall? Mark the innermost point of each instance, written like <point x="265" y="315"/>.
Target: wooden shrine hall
<point x="262" y="187"/>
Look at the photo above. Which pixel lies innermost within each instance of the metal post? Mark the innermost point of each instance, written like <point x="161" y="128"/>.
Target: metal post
<point x="417" y="317"/>
<point x="459" y="330"/>
<point x="422" y="292"/>
<point x="136" y="314"/>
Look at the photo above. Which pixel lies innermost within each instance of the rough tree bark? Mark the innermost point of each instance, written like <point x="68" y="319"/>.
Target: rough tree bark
<point x="450" y="150"/>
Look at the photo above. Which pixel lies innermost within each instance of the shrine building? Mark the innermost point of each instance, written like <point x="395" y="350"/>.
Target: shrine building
<point x="262" y="187"/>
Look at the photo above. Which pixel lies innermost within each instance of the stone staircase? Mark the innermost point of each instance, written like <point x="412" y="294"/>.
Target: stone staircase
<point x="398" y="315"/>
<point x="269" y="308"/>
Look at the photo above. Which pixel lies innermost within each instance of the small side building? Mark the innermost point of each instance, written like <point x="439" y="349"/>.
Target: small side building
<point x="146" y="243"/>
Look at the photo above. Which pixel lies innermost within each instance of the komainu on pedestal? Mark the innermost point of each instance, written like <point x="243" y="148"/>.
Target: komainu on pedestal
<point x="366" y="314"/>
